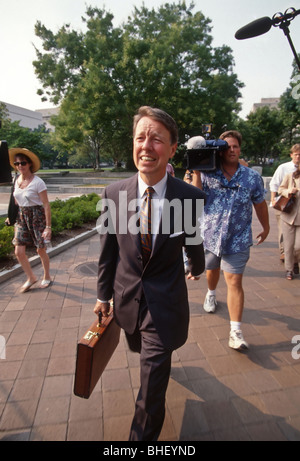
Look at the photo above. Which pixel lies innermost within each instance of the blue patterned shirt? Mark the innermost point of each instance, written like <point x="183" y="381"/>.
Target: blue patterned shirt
<point x="228" y="210"/>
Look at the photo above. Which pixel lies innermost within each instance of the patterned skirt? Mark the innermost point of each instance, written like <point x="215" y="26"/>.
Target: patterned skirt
<point x="30" y="225"/>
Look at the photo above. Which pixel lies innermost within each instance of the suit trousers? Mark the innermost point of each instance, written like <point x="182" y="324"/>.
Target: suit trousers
<point x="291" y="238"/>
<point x="155" y="368"/>
<point x="280" y="236"/>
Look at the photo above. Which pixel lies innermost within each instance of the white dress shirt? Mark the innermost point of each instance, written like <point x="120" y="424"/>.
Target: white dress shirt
<point x="280" y="173"/>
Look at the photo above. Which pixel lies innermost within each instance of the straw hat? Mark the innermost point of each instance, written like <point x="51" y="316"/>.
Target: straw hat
<point x="36" y="164"/>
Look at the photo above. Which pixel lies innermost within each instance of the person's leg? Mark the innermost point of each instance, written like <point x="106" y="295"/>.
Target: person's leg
<point x="212" y="265"/>
<point x="235" y="303"/>
<point x="20" y="252"/>
<point x="297" y="245"/>
<point x="210" y="301"/>
<point x="235" y="296"/>
<point x="155" y="363"/>
<point x="281" y="242"/>
<point x="280" y="234"/>
<point x="213" y="277"/>
<point x="37" y="225"/>
<point x="22" y="238"/>
<point x="289" y="244"/>
<point x="233" y="267"/>
<point x="42" y="252"/>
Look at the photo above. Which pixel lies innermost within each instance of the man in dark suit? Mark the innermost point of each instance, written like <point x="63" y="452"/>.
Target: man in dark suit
<point x="149" y="293"/>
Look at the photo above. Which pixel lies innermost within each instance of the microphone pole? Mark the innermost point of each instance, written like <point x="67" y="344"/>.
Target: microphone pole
<point x="284" y="25"/>
<point x="263" y="25"/>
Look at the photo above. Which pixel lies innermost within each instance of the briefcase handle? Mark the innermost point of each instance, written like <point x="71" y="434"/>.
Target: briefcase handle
<point x="99" y="319"/>
<point x="100" y="315"/>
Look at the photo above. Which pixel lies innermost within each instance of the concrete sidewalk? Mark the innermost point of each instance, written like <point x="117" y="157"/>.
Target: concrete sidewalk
<point x="214" y="393"/>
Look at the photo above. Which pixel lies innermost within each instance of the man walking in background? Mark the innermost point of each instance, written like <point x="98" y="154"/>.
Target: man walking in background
<point x="232" y="189"/>
<point x="278" y="177"/>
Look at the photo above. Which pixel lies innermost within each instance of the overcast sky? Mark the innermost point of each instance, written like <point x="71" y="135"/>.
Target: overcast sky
<point x="263" y="64"/>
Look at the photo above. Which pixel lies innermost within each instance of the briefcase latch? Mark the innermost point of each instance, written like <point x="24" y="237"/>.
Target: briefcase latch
<point x="90" y="334"/>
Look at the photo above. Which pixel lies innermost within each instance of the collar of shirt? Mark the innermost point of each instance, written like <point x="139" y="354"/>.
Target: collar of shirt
<point x="288" y="166"/>
<point x="159" y="188"/>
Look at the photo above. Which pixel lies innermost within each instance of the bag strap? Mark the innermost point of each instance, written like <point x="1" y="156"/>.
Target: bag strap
<point x="16" y="177"/>
<point x="14" y="183"/>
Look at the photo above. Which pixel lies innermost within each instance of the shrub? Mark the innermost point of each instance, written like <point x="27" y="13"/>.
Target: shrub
<point x="6" y="236"/>
<point x="73" y="212"/>
<point x="65" y="215"/>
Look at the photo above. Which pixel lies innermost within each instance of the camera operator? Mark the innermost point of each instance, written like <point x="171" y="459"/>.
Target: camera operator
<point x="231" y="191"/>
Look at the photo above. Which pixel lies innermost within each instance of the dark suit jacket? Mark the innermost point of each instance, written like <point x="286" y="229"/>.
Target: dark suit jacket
<point x="162" y="281"/>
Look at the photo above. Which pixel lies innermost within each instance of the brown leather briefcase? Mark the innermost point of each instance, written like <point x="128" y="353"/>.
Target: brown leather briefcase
<point x="94" y="351"/>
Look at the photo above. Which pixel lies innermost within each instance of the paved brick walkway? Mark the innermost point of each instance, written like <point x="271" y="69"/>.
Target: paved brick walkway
<point x="215" y="393"/>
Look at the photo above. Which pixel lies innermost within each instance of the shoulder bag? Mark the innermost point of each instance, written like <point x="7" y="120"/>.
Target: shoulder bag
<point x="13" y="208"/>
<point x="285" y="204"/>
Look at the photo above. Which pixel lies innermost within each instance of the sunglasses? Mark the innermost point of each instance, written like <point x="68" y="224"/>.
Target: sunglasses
<point x="20" y="163"/>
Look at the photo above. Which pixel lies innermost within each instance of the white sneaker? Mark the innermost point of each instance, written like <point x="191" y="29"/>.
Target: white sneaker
<point x="236" y="340"/>
<point x="210" y="303"/>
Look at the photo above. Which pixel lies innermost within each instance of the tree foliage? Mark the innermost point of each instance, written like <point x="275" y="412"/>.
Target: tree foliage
<point x="162" y="58"/>
<point x="290" y="109"/>
<point x="262" y="134"/>
<point x="19" y="136"/>
<point x="38" y="140"/>
<point x="270" y="133"/>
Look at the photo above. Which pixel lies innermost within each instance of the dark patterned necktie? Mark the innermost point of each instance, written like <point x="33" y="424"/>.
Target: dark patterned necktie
<point x="145" y="225"/>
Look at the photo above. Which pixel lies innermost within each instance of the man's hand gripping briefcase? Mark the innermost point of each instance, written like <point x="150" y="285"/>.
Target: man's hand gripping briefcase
<point x="94" y="351"/>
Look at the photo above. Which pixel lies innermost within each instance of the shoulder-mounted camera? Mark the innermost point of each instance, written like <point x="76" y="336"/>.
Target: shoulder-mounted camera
<point x="203" y="153"/>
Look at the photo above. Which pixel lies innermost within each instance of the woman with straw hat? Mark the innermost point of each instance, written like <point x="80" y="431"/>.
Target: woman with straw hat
<point x="33" y="226"/>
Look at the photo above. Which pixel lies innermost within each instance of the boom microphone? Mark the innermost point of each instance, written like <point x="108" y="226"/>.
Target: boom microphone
<point x="263" y="25"/>
<point x="255" y="28"/>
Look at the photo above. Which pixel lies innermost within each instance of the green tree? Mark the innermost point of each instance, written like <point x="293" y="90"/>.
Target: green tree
<point x="290" y="109"/>
<point x="3" y="112"/>
<point x="37" y="140"/>
<point x="168" y="56"/>
<point x="90" y="113"/>
<point x="271" y="133"/>
<point x="159" y="57"/>
<point x="262" y="134"/>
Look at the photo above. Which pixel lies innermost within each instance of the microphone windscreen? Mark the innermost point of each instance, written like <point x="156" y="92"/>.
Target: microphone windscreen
<point x="197" y="142"/>
<point x="255" y="28"/>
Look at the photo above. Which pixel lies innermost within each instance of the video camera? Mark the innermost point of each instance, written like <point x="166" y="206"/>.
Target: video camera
<point x="202" y="153"/>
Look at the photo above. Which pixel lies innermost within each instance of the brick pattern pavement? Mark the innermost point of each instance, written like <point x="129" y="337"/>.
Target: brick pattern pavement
<point x="214" y="393"/>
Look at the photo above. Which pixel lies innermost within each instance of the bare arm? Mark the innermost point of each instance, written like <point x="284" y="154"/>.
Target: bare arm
<point x="44" y="198"/>
<point x="196" y="181"/>
<point x="273" y="197"/>
<point x="262" y="214"/>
